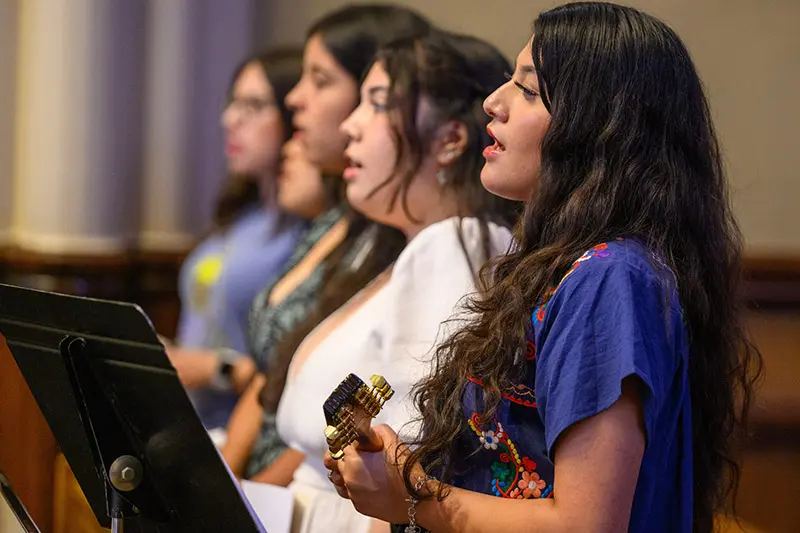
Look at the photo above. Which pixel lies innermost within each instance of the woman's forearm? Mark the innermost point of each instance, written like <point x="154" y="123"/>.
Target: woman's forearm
<point x="243" y="427"/>
<point x="196" y="367"/>
<point x="281" y="471"/>
<point x="244" y="371"/>
<point x="596" y="471"/>
<point x="463" y="511"/>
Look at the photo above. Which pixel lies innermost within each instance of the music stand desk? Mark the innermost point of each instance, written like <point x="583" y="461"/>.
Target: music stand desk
<point x="120" y="415"/>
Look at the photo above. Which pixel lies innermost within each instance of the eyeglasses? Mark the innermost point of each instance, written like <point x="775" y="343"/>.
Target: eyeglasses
<point x="248" y="107"/>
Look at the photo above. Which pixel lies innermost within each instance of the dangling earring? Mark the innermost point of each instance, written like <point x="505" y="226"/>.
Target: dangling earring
<point x="441" y="177"/>
<point x="441" y="174"/>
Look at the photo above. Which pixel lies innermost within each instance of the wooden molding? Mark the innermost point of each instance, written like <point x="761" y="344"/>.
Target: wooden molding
<point x="771" y="281"/>
<point x="15" y="257"/>
<point x="24" y="259"/>
<point x="763" y="265"/>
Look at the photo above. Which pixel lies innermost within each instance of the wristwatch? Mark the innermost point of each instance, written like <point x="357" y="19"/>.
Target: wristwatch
<point x="223" y="379"/>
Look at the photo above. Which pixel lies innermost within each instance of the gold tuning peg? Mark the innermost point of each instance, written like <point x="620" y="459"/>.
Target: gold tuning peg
<point x="380" y="386"/>
<point x="331" y="433"/>
<point x="349" y="411"/>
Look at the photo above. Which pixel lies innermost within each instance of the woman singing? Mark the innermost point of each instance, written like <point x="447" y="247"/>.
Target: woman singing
<point x="605" y="371"/>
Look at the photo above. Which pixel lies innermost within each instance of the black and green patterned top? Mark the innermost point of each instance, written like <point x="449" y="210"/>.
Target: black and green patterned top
<point x="269" y="323"/>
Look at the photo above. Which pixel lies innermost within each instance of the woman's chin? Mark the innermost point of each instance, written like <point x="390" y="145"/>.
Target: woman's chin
<point x="490" y="180"/>
<point x="502" y="186"/>
<point x="355" y="199"/>
<point x="240" y="168"/>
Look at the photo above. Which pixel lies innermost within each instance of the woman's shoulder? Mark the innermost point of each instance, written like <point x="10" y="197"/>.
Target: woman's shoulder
<point x="619" y="256"/>
<point x="312" y="233"/>
<point x="452" y="238"/>
<point x="321" y="224"/>
<point x="623" y="269"/>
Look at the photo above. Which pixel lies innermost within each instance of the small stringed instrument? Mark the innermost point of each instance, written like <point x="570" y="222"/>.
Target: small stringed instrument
<point x="349" y="411"/>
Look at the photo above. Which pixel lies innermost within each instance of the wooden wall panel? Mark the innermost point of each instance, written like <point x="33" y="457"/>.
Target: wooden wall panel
<point x="27" y="446"/>
<point x="770" y="485"/>
<point x="71" y="513"/>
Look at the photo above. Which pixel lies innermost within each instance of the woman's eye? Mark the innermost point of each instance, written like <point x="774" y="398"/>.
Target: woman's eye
<point x="529" y="93"/>
<point x="319" y="82"/>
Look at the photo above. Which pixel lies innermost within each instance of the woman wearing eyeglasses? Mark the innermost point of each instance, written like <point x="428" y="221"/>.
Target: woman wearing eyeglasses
<point x="253" y="236"/>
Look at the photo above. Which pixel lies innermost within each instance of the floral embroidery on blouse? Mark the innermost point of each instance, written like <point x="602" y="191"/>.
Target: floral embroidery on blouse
<point x="512" y="476"/>
<point x="502" y="467"/>
<point x="520" y="394"/>
<point x="531" y="355"/>
<point x="601" y="250"/>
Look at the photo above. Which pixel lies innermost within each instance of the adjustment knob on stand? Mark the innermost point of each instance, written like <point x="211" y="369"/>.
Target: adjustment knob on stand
<point x="125" y="475"/>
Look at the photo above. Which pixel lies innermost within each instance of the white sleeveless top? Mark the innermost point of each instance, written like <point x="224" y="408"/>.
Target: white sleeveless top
<point x="391" y="334"/>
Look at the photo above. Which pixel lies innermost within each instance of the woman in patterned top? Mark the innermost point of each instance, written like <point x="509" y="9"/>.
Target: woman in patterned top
<point x="605" y="372"/>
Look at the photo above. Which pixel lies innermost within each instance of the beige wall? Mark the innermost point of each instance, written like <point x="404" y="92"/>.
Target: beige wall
<point x="746" y="52"/>
<point x="8" y="65"/>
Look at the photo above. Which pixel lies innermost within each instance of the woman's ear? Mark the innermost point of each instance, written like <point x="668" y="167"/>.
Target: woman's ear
<point x="451" y="141"/>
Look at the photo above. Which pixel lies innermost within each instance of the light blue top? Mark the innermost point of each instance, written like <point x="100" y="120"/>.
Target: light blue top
<point x="218" y="283"/>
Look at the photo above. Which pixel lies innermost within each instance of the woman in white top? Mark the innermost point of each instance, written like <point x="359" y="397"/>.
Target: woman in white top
<point x="415" y="157"/>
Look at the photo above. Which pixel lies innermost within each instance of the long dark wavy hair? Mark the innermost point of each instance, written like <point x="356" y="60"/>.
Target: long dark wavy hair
<point x="352" y="35"/>
<point x="630" y="152"/>
<point x="239" y="193"/>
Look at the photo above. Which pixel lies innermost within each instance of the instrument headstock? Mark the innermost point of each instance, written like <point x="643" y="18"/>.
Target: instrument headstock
<point x="349" y="411"/>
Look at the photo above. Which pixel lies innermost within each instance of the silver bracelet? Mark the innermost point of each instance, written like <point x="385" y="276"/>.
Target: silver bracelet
<point x="412" y="526"/>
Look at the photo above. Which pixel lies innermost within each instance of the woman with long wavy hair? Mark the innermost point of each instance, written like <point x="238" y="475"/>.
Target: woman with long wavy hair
<point x="605" y="371"/>
<point x="415" y="143"/>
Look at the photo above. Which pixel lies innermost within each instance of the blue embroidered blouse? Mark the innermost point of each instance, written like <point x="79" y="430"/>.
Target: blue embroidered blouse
<point x="615" y="314"/>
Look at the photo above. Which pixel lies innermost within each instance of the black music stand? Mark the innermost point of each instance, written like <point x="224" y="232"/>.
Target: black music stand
<point x="120" y="415"/>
